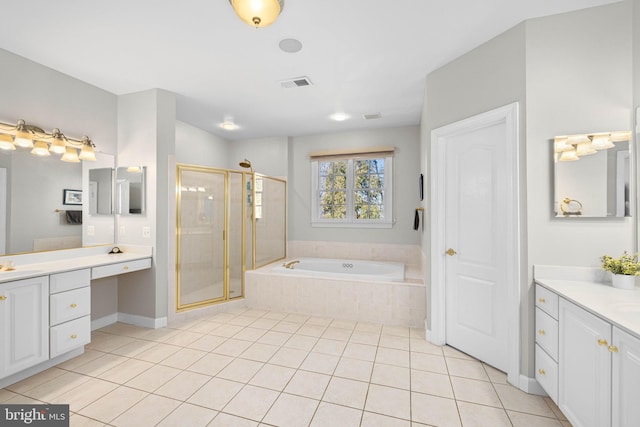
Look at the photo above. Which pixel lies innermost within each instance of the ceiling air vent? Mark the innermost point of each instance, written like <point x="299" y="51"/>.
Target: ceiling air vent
<point x="372" y="116"/>
<point x="296" y="82"/>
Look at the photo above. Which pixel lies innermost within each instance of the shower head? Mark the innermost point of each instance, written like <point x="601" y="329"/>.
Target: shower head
<point x="246" y="164"/>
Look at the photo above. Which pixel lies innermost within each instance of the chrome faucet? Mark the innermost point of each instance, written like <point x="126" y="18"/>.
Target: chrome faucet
<point x="290" y="264"/>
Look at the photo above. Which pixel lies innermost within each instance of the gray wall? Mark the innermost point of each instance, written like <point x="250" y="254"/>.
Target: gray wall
<point x="572" y="87"/>
<point x="146" y="136"/>
<point x="571" y="74"/>
<point x="405" y="185"/>
<point x="488" y="77"/>
<point x="195" y="146"/>
<point x="268" y="156"/>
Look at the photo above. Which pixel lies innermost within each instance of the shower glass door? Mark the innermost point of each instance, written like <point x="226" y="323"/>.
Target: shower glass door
<point x="202" y="209"/>
<point x="236" y="231"/>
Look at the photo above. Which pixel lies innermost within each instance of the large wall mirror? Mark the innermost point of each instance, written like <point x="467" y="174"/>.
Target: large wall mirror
<point x="43" y="203"/>
<point x="593" y="176"/>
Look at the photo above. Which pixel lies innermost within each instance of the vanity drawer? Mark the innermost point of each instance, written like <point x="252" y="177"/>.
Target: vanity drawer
<point x="60" y="282"/>
<point x="119" y="268"/>
<point x="547" y="333"/>
<point x="70" y="335"/>
<point x="547" y="373"/>
<point x="65" y="306"/>
<point x="547" y="301"/>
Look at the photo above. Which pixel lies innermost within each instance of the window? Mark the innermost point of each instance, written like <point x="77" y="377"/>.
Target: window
<point x="352" y="191"/>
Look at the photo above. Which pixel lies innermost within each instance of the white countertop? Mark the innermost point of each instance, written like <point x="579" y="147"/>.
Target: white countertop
<point x="45" y="267"/>
<point x="620" y="307"/>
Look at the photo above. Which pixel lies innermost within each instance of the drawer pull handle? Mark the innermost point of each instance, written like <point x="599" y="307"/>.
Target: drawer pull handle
<point x="541" y="371"/>
<point x="3" y="297"/>
<point x="602" y="342"/>
<point x="542" y="300"/>
<point x="74" y="336"/>
<point x="613" y="349"/>
<point x="126" y="267"/>
<point x="74" y="305"/>
<point x="541" y="332"/>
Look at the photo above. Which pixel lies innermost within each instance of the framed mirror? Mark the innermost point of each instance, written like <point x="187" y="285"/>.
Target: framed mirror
<point x="131" y="190"/>
<point x="592" y="181"/>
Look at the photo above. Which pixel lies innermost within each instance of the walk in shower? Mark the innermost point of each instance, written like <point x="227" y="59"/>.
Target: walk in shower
<point x="228" y="221"/>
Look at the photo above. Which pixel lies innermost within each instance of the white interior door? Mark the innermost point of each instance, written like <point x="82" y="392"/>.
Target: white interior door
<point x="475" y="292"/>
<point x="476" y="282"/>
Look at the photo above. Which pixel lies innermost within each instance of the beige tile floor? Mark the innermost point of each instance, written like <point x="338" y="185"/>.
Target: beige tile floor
<point x="250" y="368"/>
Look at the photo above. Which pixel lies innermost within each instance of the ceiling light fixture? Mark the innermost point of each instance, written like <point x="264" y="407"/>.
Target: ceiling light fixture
<point x="258" y="13"/>
<point x="229" y="125"/>
<point x="24" y="135"/>
<point x="573" y="147"/>
<point x="339" y="117"/>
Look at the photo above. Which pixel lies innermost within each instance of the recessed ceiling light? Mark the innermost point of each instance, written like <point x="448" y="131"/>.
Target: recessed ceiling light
<point x="339" y="117"/>
<point x="290" y="45"/>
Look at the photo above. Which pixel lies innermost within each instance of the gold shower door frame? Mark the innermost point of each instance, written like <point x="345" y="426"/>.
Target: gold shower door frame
<point x="227" y="174"/>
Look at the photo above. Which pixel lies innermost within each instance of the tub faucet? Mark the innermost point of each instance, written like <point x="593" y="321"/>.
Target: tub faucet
<point x="290" y="264"/>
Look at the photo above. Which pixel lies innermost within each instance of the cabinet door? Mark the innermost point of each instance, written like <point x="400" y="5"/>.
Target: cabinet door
<point x="24" y="324"/>
<point x="584" y="367"/>
<point x="626" y="380"/>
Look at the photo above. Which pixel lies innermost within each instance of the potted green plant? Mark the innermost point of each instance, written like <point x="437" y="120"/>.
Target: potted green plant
<point x="624" y="269"/>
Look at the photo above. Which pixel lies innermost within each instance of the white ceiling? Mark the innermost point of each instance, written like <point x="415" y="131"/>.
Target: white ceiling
<point x="363" y="56"/>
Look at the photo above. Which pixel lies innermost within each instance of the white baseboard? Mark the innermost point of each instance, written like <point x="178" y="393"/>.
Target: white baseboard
<point x="430" y="338"/>
<point x="145" y="322"/>
<point x="531" y="386"/>
<point x="132" y="319"/>
<point x="104" y="321"/>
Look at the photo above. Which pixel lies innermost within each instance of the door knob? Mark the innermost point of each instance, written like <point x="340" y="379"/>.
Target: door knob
<point x="450" y="252"/>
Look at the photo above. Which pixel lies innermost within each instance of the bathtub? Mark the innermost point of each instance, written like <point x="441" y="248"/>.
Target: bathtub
<point x="345" y="269"/>
<point x="363" y="291"/>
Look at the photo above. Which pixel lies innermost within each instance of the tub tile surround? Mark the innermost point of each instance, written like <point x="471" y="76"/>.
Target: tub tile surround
<point x="409" y="255"/>
<point x="393" y="303"/>
<point x="318" y="373"/>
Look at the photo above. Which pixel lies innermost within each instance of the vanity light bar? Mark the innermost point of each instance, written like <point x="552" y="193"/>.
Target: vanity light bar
<point x="572" y="147"/>
<point x="44" y="143"/>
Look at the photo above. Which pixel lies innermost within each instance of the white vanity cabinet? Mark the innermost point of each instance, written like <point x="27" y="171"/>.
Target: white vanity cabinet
<point x="547" y="341"/>
<point x="24" y="324"/>
<point x="626" y="379"/>
<point x="594" y="374"/>
<point x="70" y="311"/>
<point x="584" y="374"/>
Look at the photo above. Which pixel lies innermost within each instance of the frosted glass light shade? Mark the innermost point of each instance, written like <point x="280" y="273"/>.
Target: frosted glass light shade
<point x="258" y="13"/>
<point x="601" y="142"/>
<point x="569" y="156"/>
<point x="23" y="139"/>
<point x="6" y="142"/>
<point x="585" y="149"/>
<point x="87" y="153"/>
<point x="58" y="146"/>
<point x="40" y="148"/>
<point x="561" y="145"/>
<point x="71" y="156"/>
